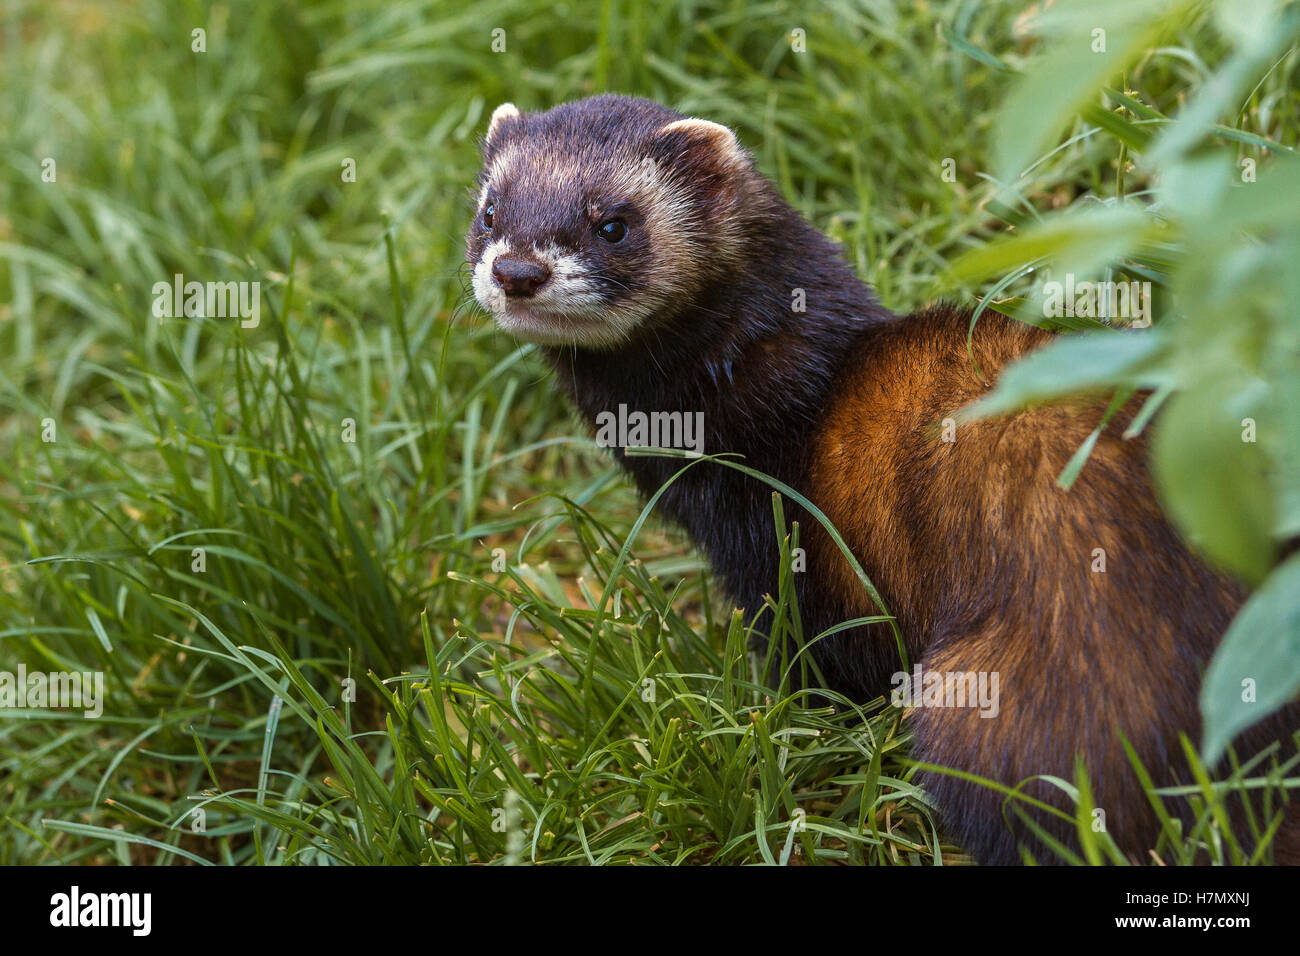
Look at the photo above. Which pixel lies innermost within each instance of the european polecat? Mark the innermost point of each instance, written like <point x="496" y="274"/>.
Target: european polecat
<point x="660" y="272"/>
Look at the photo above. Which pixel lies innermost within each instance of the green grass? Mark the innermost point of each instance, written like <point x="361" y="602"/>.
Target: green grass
<point x="581" y="694"/>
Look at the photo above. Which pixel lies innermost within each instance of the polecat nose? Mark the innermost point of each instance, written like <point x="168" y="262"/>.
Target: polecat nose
<point x="518" y="277"/>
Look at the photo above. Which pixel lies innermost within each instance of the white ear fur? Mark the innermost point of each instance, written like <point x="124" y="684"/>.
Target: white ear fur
<point x="504" y="112"/>
<point x="718" y="136"/>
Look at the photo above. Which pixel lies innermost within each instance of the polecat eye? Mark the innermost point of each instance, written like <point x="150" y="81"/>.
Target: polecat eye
<point x="612" y="231"/>
<point x="488" y="213"/>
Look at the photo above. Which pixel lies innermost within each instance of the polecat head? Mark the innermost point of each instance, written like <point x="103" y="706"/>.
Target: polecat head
<point x="599" y="216"/>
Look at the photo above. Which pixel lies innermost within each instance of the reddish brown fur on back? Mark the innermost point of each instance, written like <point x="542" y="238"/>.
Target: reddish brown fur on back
<point x="990" y="566"/>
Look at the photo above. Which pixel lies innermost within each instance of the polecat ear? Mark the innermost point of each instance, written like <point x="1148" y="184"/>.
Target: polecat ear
<point x="501" y="117"/>
<point x="716" y="140"/>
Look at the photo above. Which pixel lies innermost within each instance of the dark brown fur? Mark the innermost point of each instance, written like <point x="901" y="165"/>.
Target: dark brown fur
<point x="984" y="561"/>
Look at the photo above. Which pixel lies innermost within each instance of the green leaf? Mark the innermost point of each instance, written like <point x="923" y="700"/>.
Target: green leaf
<point x="1260" y="35"/>
<point x="1214" y="484"/>
<point x="1123" y="129"/>
<point x="1071" y="364"/>
<point x="971" y="50"/>
<point x="1073" y="69"/>
<point x="1263" y="646"/>
<point x="1078" y="242"/>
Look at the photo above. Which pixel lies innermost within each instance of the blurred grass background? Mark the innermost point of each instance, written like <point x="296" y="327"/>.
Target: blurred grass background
<point x="231" y="733"/>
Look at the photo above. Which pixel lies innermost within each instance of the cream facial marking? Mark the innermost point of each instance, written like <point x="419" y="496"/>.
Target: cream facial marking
<point x="498" y="172"/>
<point x="568" y="310"/>
<point x="570" y="282"/>
<point x="488" y="293"/>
